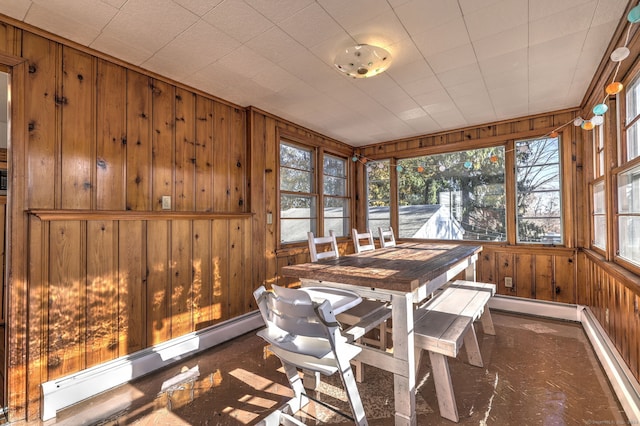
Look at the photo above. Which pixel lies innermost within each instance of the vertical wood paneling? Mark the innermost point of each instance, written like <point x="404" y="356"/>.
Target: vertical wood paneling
<point x="185" y="151"/>
<point x="67" y="297"/>
<point x="138" y="141"/>
<point x="204" y="154"/>
<point x="110" y="186"/>
<point x="163" y="101"/>
<point x="523" y="281"/>
<point x="132" y="287"/>
<point x="236" y="268"/>
<point x="202" y="277"/>
<point x="564" y="271"/>
<point x="221" y="199"/>
<point x="220" y="268"/>
<point x="486" y="267"/>
<point x="9" y="39"/>
<point x="102" y="293"/>
<point x="41" y="115"/>
<point x="158" y="282"/>
<point x="505" y="268"/>
<point x="77" y="102"/>
<point x="544" y="287"/>
<point x="237" y="157"/>
<point x="181" y="279"/>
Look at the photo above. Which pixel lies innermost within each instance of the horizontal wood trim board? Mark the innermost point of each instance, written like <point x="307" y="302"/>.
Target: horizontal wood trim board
<point x="49" y="215"/>
<point x="617" y="272"/>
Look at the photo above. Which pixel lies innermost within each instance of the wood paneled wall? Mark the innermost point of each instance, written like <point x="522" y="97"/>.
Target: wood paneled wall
<point x="98" y="269"/>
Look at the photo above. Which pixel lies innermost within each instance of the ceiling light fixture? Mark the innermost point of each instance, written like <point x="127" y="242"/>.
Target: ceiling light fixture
<point x="363" y="60"/>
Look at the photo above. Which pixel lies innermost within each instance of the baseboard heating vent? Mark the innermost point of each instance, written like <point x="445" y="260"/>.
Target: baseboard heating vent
<point x="66" y="391"/>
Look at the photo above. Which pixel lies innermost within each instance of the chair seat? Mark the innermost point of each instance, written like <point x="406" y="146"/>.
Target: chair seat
<point x="340" y="300"/>
<point x="317" y="348"/>
<point x="326" y="365"/>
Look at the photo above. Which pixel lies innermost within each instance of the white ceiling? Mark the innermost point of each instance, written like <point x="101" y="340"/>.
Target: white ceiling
<point x="455" y="63"/>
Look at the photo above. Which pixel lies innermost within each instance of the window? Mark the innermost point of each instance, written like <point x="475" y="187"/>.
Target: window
<point x="378" y="195"/>
<point x="311" y="200"/>
<point x="599" y="215"/>
<point x="538" y="198"/>
<point x="336" y="202"/>
<point x="598" y="142"/>
<point x="629" y="215"/>
<point x="453" y="196"/>
<point x="631" y="148"/>
<point x="298" y="212"/>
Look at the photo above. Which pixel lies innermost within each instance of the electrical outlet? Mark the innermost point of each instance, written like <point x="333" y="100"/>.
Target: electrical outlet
<point x="166" y="202"/>
<point x="508" y="282"/>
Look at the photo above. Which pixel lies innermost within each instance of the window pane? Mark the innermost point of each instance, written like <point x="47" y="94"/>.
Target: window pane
<point x="296" y="157"/>
<point x="378" y="195"/>
<point x="633" y="100"/>
<point x="598" y="198"/>
<point x="454" y="196"/>
<point x="633" y="141"/>
<point x="297" y="217"/>
<point x="600" y="231"/>
<point x="295" y="180"/>
<point x="538" y="200"/>
<point x="629" y="191"/>
<point x="334" y="166"/>
<point x="629" y="229"/>
<point x="336" y="216"/>
<point x="335" y="186"/>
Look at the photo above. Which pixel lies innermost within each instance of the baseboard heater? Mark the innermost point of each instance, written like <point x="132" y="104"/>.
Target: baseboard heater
<point x="66" y="391"/>
<point x="622" y="380"/>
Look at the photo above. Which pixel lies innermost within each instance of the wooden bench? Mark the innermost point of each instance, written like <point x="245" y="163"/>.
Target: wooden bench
<point x="443" y="325"/>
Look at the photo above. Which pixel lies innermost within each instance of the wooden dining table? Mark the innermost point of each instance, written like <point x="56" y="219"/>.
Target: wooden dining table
<point x="402" y="275"/>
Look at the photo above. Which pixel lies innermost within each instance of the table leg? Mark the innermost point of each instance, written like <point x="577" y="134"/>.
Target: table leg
<point x="404" y="385"/>
<point x="470" y="272"/>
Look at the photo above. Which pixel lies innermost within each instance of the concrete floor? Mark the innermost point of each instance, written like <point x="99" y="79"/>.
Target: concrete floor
<point x="537" y="372"/>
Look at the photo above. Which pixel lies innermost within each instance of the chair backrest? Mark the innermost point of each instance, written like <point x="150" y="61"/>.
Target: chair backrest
<point x="292" y="318"/>
<point x="317" y="242"/>
<point x="387" y="239"/>
<point x="358" y="238"/>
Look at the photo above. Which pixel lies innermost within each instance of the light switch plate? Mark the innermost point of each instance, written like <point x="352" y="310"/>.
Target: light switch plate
<point x="166" y="202"/>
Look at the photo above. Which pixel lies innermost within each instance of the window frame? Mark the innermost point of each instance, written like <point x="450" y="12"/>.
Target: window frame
<point x="319" y="153"/>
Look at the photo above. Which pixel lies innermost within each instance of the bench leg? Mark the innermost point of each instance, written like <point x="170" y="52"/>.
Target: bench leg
<point x="472" y="348"/>
<point x="359" y="369"/>
<point x="487" y="322"/>
<point x="444" y="387"/>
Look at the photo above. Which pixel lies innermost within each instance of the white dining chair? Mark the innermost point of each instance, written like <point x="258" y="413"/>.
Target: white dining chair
<point x="367" y="308"/>
<point x="387" y="238"/>
<point x="306" y="335"/>
<point x="362" y="242"/>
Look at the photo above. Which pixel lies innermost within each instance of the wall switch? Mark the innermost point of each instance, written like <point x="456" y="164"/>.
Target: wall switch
<point x="166" y="202"/>
<point x="508" y="282"/>
<point x="269" y="218"/>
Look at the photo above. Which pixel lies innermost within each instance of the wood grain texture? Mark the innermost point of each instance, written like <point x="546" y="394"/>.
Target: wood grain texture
<point x="163" y="149"/>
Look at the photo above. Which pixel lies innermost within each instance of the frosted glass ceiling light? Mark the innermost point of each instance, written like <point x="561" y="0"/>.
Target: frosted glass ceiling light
<point x="363" y="60"/>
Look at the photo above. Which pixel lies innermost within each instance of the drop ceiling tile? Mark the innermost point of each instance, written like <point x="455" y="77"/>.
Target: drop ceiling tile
<point x="277" y="46"/>
<point x="244" y="61"/>
<point x="273" y="78"/>
<point x="382" y="30"/>
<point x="449" y="119"/>
<point x="422" y="86"/>
<point x="354" y="12"/>
<point x="303" y="26"/>
<point x="199" y="7"/>
<point x="471" y="6"/>
<point x="511" y="40"/>
<point x="561" y="24"/>
<point x="278" y="10"/>
<point x="540" y="9"/>
<point x="419" y="15"/>
<point x="81" y="24"/>
<point x="423" y="125"/>
<point x="447" y="36"/>
<point x="115" y="3"/>
<point x="238" y="20"/>
<point x="609" y="11"/>
<point x="515" y="63"/>
<point x="460" y="75"/>
<point x="545" y="54"/>
<point x="192" y="50"/>
<point x="452" y="59"/>
<point x="470" y="89"/>
<point x="438" y="100"/>
<point x="17" y="9"/>
<point x="496" y="18"/>
<point x="408" y="73"/>
<point x="140" y="20"/>
<point x="510" y="77"/>
<point x="121" y="49"/>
